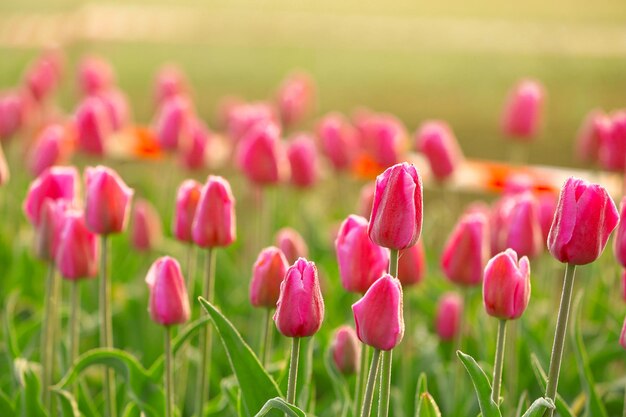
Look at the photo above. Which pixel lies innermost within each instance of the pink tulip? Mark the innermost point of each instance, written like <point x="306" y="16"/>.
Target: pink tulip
<point x="619" y="242"/>
<point x="291" y="244"/>
<point x="107" y="201"/>
<point x="522" y="228"/>
<point x="595" y="129"/>
<point x="268" y="272"/>
<point x="302" y="155"/>
<point x="93" y="126"/>
<point x="77" y="250"/>
<point x="436" y="140"/>
<point x="366" y="199"/>
<point x="466" y="251"/>
<point x="396" y="220"/>
<point x="4" y="169"/>
<point x="383" y="137"/>
<point x="498" y="219"/>
<point x="338" y="140"/>
<point x="523" y="110"/>
<point x="241" y="118"/>
<point x="214" y="221"/>
<point x="54" y="183"/>
<point x="412" y="265"/>
<point x="48" y="231"/>
<point x="506" y="285"/>
<point x="612" y="153"/>
<point x="260" y="155"/>
<point x="145" y="227"/>
<point x="300" y="307"/>
<point x="295" y="98"/>
<point x="194" y="155"/>
<point x="547" y="207"/>
<point x="584" y="219"/>
<point x="12" y="114"/>
<point x="117" y="108"/>
<point x="361" y="261"/>
<point x="518" y="183"/>
<point x="170" y="82"/>
<point x="379" y="316"/>
<point x="187" y="199"/>
<point x="624" y="286"/>
<point x="172" y="123"/>
<point x="51" y="148"/>
<point x="42" y="77"/>
<point x="448" y="317"/>
<point x="169" y="303"/>
<point x="346" y="350"/>
<point x="95" y="74"/>
<point x="622" y="337"/>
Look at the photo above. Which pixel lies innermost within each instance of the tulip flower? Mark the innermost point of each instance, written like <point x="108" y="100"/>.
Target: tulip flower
<point x="214" y="221"/>
<point x="448" y="316"/>
<point x="518" y="183"/>
<point x="595" y="129"/>
<point x="145" y="227"/>
<point x="302" y="156"/>
<point x="194" y="156"/>
<point x="93" y="126"/>
<point x="291" y="243"/>
<point x="619" y="243"/>
<point x="523" y="111"/>
<point x="241" y="118"/>
<point x="54" y="183"/>
<point x="412" y="265"/>
<point x="361" y="261"/>
<point x="42" y="77"/>
<point x="172" y="123"/>
<point x="170" y="82"/>
<point x="345" y="350"/>
<point x="467" y="250"/>
<point x="107" y="201"/>
<point x="547" y="207"/>
<point x="4" y="169"/>
<point x="117" y="108"/>
<point x="396" y="220"/>
<point x="12" y="114"/>
<point x="338" y="141"/>
<point x="260" y="155"/>
<point x="295" y="98"/>
<point x="95" y="75"/>
<point x="522" y="228"/>
<point x="366" y="200"/>
<point x="436" y="140"/>
<point x="612" y="150"/>
<point x="506" y="285"/>
<point x="48" y="231"/>
<point x="187" y="199"/>
<point x="77" y="248"/>
<point x="622" y="338"/>
<point x="383" y="137"/>
<point x="51" y="148"/>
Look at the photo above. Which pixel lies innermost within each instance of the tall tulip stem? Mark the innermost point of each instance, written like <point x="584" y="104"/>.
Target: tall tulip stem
<point x="266" y="343"/>
<point x="106" y="331"/>
<point x="393" y="263"/>
<point x="74" y="333"/>
<point x="47" y="335"/>
<point x="293" y="370"/>
<point x="360" y="381"/>
<point x="371" y="381"/>
<point x="169" y="388"/>
<point x="206" y="335"/>
<point x="497" y="368"/>
<point x="559" y="335"/>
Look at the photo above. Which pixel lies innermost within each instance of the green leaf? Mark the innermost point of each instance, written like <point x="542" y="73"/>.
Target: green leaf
<point x="280" y="404"/>
<point x="561" y="406"/>
<point x="422" y="384"/>
<point x="255" y="384"/>
<point x="69" y="407"/>
<point x="144" y="391"/>
<point x="521" y="404"/>
<point x="9" y="330"/>
<point x="538" y="407"/>
<point x="7" y="408"/>
<point x="481" y="385"/>
<point x="131" y="410"/>
<point x="29" y="402"/>
<point x="426" y="406"/>
<point x="342" y="397"/>
<point x="594" y="406"/>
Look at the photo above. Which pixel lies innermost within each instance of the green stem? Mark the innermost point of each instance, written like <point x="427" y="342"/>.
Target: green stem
<point x="47" y="344"/>
<point x="497" y="368"/>
<point x="559" y="335"/>
<point x="74" y="333"/>
<point x="169" y="388"/>
<point x="360" y="380"/>
<point x="266" y="344"/>
<point x="206" y="335"/>
<point x="190" y="274"/>
<point x="393" y="263"/>
<point x="371" y="381"/>
<point x="293" y="370"/>
<point x="385" y="384"/>
<point x="106" y="333"/>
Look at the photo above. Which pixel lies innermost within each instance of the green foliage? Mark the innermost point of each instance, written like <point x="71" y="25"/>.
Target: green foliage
<point x="481" y="385"/>
<point x="280" y="404"/>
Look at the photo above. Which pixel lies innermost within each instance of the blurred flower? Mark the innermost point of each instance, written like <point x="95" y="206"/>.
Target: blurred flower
<point x="612" y="152"/>
<point x="187" y="198"/>
<point x="291" y="244"/>
<point x="547" y="208"/>
<point x="93" y="126"/>
<point x="214" y="222"/>
<point x="523" y="110"/>
<point x="171" y="124"/>
<point x="622" y="337"/>
<point x="54" y="183"/>
<point x="42" y="76"/>
<point x="194" y="156"/>
<point x="436" y="140"/>
<point x="295" y="98"/>
<point x="594" y="130"/>
<point x="338" y="140"/>
<point x="366" y="199"/>
<point x="412" y="265"/>
<point x="77" y="251"/>
<point x="506" y="285"/>
<point x="260" y="155"/>
<point x="95" y="74"/>
<point x="48" y="230"/>
<point x="346" y="350"/>
<point x="117" y="108"/>
<point x="12" y="113"/>
<point x="107" y="201"/>
<point x="302" y="156"/>
<point x="169" y="303"/>
<point x="170" y="82"/>
<point x="619" y="242"/>
<point x="383" y="137"/>
<point x="467" y="250"/>
<point x="242" y="117"/>
<point x="448" y="317"/>
<point x="145" y="227"/>
<point x="51" y="148"/>
<point x="268" y="272"/>
<point x="522" y="227"/>
<point x="518" y="183"/>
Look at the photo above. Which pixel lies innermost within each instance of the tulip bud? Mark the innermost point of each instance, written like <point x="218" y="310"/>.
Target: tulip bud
<point x="361" y="261"/>
<point x="396" y="220"/>
<point x="50" y="148"/>
<point x="107" y="199"/>
<point x="4" y="169"/>
<point x="170" y="82"/>
<point x="241" y="118"/>
<point x="379" y="316"/>
<point x="506" y="285"/>
<point x="268" y="272"/>
<point x="77" y="251"/>
<point x="172" y="123"/>
<point x="622" y="337"/>
<point x="295" y="98"/>
<point x="291" y="244"/>
<point x="595" y="129"/>
<point x="194" y="155"/>
<point x="12" y="114"/>
<point x="467" y="250"/>
<point x="547" y="207"/>
<point x="338" y="141"/>
<point x="117" y="108"/>
<point x="522" y="112"/>
<point x="346" y="350"/>
<point x="300" y="307"/>
<point x="366" y="200"/>
<point x="412" y="265"/>
<point x="169" y="303"/>
<point x="146" y="226"/>
<point x="522" y="228"/>
<point x="54" y="183"/>
<point x="42" y="77"/>
<point x="436" y="140"/>
<point x="619" y="242"/>
<point x="48" y="231"/>
<point x="584" y="219"/>
<point x="214" y="221"/>
<point x="95" y="75"/>
<point x="302" y="156"/>
<point x="383" y="137"/>
<point x="93" y="126"/>
<point x="448" y="317"/>
<point x="260" y="155"/>
<point x="187" y="199"/>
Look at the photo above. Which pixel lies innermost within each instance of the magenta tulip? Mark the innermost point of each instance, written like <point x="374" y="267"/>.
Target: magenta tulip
<point x="172" y="121"/>
<point x="338" y="141"/>
<point x="585" y="217"/>
<point x="295" y="98"/>
<point x="436" y="140"/>
<point x="117" y="108"/>
<point x="50" y="148"/>
<point x="595" y="129"/>
<point x="48" y="231"/>
<point x="214" y="222"/>
<point x="467" y="250"/>
<point x="622" y="337"/>
<point x="169" y="303"/>
<point x="396" y="220"/>
<point x="54" y="183"/>
<point x="187" y="198"/>
<point x="291" y="243"/>
<point x="619" y="242"/>
<point x="170" y="82"/>
<point x="302" y="156"/>
<point x="268" y="272"/>
<point x="300" y="307"/>
<point x="346" y="350"/>
<point x="547" y="207"/>
<point x="194" y="155"/>
<point x="95" y="74"/>
<point x="42" y="76"/>
<point x="77" y="251"/>
<point x="260" y="155"/>
<point x="107" y="199"/>
<point x="12" y="114"/>
<point x="522" y="228"/>
<point x="412" y="265"/>
<point x="612" y="153"/>
<point x="448" y="316"/>
<point x="243" y="117"/>
<point x="382" y="136"/>
<point x="506" y="285"/>
<point x="366" y="199"/>
<point x="523" y="110"/>
<point x="93" y="126"/>
<point x="145" y="226"/>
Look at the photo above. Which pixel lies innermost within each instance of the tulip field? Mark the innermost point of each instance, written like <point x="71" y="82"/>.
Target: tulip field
<point x="252" y="227"/>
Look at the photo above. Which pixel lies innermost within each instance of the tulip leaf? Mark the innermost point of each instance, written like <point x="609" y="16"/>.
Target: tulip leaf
<point x="131" y="410"/>
<point x="29" y="402"/>
<point x="538" y="407"/>
<point x="339" y="386"/>
<point x="481" y="384"/>
<point x="280" y="404"/>
<point x="255" y="384"/>
<point x="142" y="389"/>
<point x="594" y="406"/>
<point x="7" y="408"/>
<point x="422" y="384"/>
<point x="561" y="406"/>
<point x="426" y="406"/>
<point x="521" y="404"/>
<point x="69" y="407"/>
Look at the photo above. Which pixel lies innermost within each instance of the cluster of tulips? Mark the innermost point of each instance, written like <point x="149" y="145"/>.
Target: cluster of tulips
<point x="378" y="252"/>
